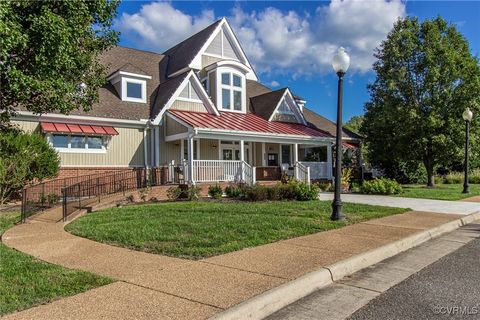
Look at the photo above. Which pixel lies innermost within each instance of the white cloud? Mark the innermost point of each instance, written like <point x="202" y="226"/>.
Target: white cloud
<point x="276" y="41"/>
<point x="159" y="26"/>
<point x="274" y="84"/>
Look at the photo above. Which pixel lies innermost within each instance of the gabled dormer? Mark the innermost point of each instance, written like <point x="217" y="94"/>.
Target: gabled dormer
<point x="130" y="83"/>
<point x="278" y="105"/>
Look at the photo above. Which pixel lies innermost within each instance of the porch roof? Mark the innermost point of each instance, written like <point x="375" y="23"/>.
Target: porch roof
<point x="249" y="122"/>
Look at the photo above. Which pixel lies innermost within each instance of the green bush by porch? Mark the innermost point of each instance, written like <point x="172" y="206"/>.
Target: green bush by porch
<point x="202" y="229"/>
<point x="26" y="281"/>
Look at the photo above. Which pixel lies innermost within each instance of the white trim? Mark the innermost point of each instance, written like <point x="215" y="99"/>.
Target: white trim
<point x="145" y="151"/>
<point x="80" y="150"/>
<point x="157" y="146"/>
<point x="198" y="87"/>
<point x="52" y="117"/>
<point x="124" y="73"/>
<point x="228" y="63"/>
<point x="178" y="136"/>
<point x="196" y="62"/>
<point x="143" y="83"/>
<point x="189" y="100"/>
<point x="298" y="114"/>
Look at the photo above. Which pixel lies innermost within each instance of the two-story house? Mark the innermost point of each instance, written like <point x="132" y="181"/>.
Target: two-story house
<point x="198" y="107"/>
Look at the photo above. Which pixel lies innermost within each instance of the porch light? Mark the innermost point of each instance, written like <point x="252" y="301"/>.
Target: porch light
<point x="340" y="64"/>
<point x="341" y="61"/>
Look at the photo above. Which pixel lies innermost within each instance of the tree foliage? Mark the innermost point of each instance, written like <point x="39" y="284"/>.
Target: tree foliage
<point x="426" y="77"/>
<point x="48" y="49"/>
<point x="24" y="157"/>
<point x="354" y="124"/>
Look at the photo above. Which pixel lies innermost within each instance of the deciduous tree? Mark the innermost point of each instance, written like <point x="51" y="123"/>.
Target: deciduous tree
<point x="425" y="78"/>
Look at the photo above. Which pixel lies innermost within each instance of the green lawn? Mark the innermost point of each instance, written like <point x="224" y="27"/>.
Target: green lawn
<point x="26" y="281"/>
<point x="199" y="229"/>
<point x="439" y="192"/>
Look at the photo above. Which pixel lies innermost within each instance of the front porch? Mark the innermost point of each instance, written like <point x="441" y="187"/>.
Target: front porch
<point x="205" y="160"/>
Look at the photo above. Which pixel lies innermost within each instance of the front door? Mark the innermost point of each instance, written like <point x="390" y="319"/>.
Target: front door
<point x="272" y="159"/>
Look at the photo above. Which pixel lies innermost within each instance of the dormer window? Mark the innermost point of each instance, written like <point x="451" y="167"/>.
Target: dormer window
<point x="231" y="91"/>
<point x="134" y="90"/>
<point x="131" y="87"/>
<point x="284" y="108"/>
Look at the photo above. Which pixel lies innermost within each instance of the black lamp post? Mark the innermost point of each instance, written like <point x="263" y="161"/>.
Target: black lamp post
<point x="340" y="64"/>
<point x="467" y="116"/>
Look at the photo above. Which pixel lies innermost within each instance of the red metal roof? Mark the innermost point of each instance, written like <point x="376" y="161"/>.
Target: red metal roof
<point x="349" y="145"/>
<point x="75" y="128"/>
<point x="245" y="122"/>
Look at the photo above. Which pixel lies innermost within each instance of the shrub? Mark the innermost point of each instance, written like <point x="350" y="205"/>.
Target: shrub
<point x="143" y="194"/>
<point x="256" y="193"/>
<point x="234" y="190"/>
<point x="285" y="191"/>
<point x="474" y="176"/>
<point x="130" y="198"/>
<point x="24" y="157"/>
<point x="193" y="193"/>
<point x="453" y="178"/>
<point x="324" y="186"/>
<point x="305" y="192"/>
<point x="53" y="199"/>
<point x="438" y="180"/>
<point x="173" y="193"/>
<point x="381" y="186"/>
<point x="215" y="191"/>
<point x="346" y="178"/>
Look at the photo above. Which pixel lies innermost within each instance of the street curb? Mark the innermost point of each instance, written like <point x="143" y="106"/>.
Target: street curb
<point x="277" y="298"/>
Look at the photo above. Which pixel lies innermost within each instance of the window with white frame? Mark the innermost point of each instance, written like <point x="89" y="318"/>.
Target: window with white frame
<point x="134" y="90"/>
<point x="284" y="108"/>
<point x="232" y="91"/>
<point x="195" y="149"/>
<point x="64" y="142"/>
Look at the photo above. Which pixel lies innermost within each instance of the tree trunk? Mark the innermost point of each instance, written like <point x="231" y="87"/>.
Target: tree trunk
<point x="430" y="177"/>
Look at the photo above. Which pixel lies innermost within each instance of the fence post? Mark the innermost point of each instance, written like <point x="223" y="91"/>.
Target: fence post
<point x="79" y="197"/>
<point x="43" y="195"/>
<point x="64" y="204"/>
<point x="24" y="198"/>
<point x="254" y="175"/>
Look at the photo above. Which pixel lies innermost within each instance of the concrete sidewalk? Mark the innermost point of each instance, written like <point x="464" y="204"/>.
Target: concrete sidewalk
<point x="155" y="286"/>
<point x="428" y="205"/>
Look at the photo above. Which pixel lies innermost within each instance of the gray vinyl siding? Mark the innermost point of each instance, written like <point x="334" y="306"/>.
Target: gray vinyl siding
<point x="188" y="106"/>
<point x="216" y="46"/>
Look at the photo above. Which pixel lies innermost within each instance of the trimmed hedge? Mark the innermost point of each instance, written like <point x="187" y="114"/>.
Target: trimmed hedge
<point x="283" y="191"/>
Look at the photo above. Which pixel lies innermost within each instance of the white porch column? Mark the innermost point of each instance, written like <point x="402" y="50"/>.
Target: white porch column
<point x="157" y="146"/>
<point x="152" y="147"/>
<point x="190" y="159"/>
<point x="242" y="159"/>
<point x="264" y="157"/>
<point x="329" y="162"/>
<point x="295" y="160"/>
<point x="145" y="147"/>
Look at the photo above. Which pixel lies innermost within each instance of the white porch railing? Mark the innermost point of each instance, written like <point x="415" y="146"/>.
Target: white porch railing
<point x="302" y="172"/>
<point x="221" y="170"/>
<point x="318" y="170"/>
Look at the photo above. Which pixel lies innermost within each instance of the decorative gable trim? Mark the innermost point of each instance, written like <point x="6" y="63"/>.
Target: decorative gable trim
<point x="288" y="97"/>
<point x="227" y="30"/>
<point x="197" y="86"/>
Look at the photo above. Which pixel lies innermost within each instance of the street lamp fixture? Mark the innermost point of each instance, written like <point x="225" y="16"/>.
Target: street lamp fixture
<point x="340" y="63"/>
<point x="467" y="117"/>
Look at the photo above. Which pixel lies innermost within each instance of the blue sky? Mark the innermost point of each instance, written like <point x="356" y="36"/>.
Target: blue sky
<point x="290" y="43"/>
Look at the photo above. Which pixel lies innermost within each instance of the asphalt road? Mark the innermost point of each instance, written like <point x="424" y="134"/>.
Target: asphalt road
<point x="447" y="289"/>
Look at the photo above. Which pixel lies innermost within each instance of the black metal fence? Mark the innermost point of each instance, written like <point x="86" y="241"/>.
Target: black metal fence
<point x="45" y="195"/>
<point x="80" y="192"/>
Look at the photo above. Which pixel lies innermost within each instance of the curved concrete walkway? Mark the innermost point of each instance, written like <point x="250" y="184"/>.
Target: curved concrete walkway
<point x="158" y="287"/>
<point x="428" y="205"/>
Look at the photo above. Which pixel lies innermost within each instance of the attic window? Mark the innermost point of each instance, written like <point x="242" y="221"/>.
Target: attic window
<point x="284" y="108"/>
<point x="134" y="90"/>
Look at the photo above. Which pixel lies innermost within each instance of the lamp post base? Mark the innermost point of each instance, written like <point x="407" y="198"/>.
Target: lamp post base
<point x="466" y="189"/>
<point x="337" y="214"/>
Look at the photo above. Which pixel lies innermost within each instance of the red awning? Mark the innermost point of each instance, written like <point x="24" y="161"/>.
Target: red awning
<point x="76" y="128"/>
